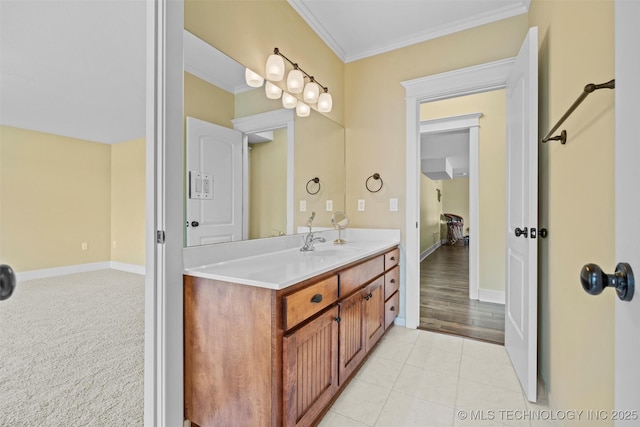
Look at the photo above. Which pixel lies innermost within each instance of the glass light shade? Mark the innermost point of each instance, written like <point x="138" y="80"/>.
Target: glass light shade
<point x="325" y="102"/>
<point x="311" y="92"/>
<point x="253" y="79"/>
<point x="288" y="100"/>
<point x="302" y="109"/>
<point x="275" y="68"/>
<point x="272" y="91"/>
<point x="295" y="81"/>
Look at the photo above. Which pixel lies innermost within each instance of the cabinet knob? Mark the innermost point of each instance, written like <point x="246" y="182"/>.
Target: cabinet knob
<point x="368" y="296"/>
<point x="316" y="298"/>
<point x="393" y="308"/>
<point x="392" y="281"/>
<point x="392" y="258"/>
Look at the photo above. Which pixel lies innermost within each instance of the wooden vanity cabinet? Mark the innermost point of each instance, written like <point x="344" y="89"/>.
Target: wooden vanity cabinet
<point x="262" y="357"/>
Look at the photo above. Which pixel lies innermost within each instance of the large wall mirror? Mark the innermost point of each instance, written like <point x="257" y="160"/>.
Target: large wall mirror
<point x="253" y="169"/>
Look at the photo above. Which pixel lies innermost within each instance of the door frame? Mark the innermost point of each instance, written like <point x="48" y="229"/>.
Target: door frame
<point x="466" y="81"/>
<point x="470" y="122"/>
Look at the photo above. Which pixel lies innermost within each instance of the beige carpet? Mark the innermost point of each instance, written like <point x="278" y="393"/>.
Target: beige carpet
<point x="72" y="351"/>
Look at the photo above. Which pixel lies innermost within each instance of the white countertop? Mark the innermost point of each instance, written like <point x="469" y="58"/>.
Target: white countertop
<point x="280" y="268"/>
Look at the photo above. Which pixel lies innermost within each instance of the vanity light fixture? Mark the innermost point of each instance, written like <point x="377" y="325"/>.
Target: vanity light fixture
<point x="312" y="92"/>
<point x="288" y="100"/>
<point x="302" y="109"/>
<point x="253" y="79"/>
<point x="272" y="91"/>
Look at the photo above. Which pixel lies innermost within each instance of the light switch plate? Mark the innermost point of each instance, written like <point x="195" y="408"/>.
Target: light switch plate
<point x="393" y="205"/>
<point x="360" y="205"/>
<point x="303" y="205"/>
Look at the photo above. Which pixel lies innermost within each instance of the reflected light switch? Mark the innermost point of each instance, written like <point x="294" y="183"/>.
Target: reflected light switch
<point x="393" y="205"/>
<point x="329" y="205"/>
<point x="303" y="205"/>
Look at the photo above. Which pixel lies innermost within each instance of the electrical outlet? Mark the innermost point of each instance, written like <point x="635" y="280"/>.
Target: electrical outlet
<point x="360" y="205"/>
<point x="303" y="205"/>
<point x="84" y="246"/>
<point x="393" y="205"/>
<point x="329" y="205"/>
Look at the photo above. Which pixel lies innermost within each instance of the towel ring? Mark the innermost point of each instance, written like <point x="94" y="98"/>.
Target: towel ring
<point x="376" y="177"/>
<point x="315" y="180"/>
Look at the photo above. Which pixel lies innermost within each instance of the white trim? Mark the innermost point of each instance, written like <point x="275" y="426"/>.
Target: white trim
<point x="430" y="250"/>
<point x="61" y="271"/>
<point x="400" y="321"/>
<point x="45" y="273"/>
<point x="163" y="341"/>
<point x="490" y="295"/>
<point x="472" y="123"/>
<point x="129" y="268"/>
<point x="512" y="9"/>
<point x="264" y="122"/>
<point x="477" y="79"/>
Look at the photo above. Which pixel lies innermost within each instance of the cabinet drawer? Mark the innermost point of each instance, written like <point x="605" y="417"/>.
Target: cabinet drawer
<point x="306" y="302"/>
<point x="355" y="277"/>
<point x="391" y="282"/>
<point x="391" y="258"/>
<point x="391" y="308"/>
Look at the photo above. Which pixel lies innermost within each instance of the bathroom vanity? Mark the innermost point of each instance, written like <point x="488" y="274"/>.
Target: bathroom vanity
<point x="272" y="338"/>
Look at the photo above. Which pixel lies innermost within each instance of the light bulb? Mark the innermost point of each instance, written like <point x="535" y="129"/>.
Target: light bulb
<point x="253" y="79"/>
<point x="272" y="91"/>
<point x="275" y="68"/>
<point x="302" y="109"/>
<point x="288" y="100"/>
<point x="295" y="81"/>
<point x="311" y="92"/>
<point x="325" y="102"/>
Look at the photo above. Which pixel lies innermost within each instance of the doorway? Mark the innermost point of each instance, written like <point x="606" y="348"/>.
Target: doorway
<point x="462" y="148"/>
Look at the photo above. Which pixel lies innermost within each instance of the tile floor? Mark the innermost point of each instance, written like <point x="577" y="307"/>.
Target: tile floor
<point x="426" y="379"/>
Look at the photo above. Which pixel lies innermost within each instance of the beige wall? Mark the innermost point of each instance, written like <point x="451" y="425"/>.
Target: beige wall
<point x="56" y="195"/>
<point x="207" y="102"/>
<point x="375" y="111"/>
<point x="430" y="212"/>
<point x="128" y="202"/>
<point x="576" y="341"/>
<point x="455" y="199"/>
<point x="268" y="187"/>
<point x="491" y="172"/>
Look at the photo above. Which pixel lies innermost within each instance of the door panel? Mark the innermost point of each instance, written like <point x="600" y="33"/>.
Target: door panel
<point x="215" y="189"/>
<point x="522" y="215"/>
<point x="351" y="335"/>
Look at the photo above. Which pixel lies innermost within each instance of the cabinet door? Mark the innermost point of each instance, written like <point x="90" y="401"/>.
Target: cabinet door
<point x="352" y="348"/>
<point x="310" y="369"/>
<point x="373" y="313"/>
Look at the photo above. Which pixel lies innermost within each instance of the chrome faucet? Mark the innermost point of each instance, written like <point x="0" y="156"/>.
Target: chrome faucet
<point x="309" y="239"/>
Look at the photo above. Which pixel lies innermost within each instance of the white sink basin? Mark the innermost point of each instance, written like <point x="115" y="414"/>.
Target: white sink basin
<point x="332" y="251"/>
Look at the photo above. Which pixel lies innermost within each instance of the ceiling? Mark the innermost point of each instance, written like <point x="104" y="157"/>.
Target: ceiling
<point x="77" y="67"/>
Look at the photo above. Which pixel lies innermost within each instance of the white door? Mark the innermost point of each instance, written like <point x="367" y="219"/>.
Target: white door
<point x="627" y="204"/>
<point x="214" y="183"/>
<point x="522" y="215"/>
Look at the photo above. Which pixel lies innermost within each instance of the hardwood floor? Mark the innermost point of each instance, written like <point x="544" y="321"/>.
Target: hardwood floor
<point x="444" y="298"/>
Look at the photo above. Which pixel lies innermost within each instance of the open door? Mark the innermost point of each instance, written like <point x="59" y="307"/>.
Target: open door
<point x="522" y="215"/>
<point x="214" y="183"/>
<point x="627" y="204"/>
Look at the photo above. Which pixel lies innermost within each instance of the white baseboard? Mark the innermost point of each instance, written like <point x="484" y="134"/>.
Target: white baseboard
<point x="44" y="273"/>
<point x="400" y="321"/>
<point x="129" y="268"/>
<point x="489" y="295"/>
<point x="430" y="250"/>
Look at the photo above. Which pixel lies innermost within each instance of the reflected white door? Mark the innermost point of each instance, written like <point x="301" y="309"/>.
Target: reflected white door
<point x="627" y="204"/>
<point x="214" y="183"/>
<point x="522" y="215"/>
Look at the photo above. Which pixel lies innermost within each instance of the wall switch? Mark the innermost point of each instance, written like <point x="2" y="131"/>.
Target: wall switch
<point x="85" y="246"/>
<point x="329" y="205"/>
<point x="393" y="205"/>
<point x="360" y="205"/>
<point x="303" y="205"/>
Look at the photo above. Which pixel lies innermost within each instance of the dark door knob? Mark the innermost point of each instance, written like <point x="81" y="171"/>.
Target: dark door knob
<point x="594" y="280"/>
<point x="520" y="232"/>
<point x="7" y="281"/>
<point x="195" y="223"/>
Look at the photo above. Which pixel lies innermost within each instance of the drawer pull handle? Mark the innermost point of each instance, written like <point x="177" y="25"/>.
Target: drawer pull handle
<point x="392" y="281"/>
<point x="393" y="308"/>
<point x="369" y="296"/>
<point x="392" y="258"/>
<point x="316" y="298"/>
